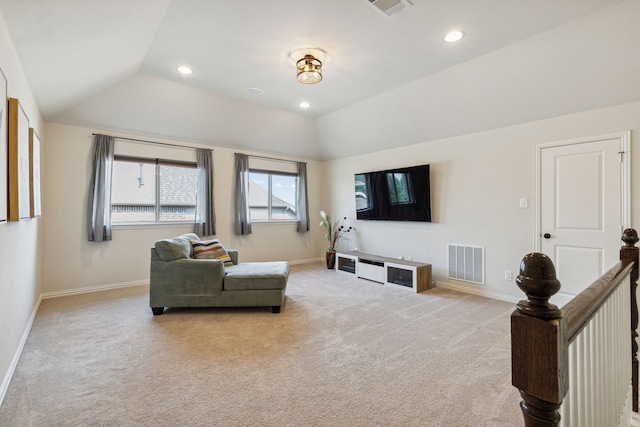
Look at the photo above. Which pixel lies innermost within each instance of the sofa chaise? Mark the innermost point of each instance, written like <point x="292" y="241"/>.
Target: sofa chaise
<point x="179" y="279"/>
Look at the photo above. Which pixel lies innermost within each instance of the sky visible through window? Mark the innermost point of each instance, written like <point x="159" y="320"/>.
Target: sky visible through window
<point x="284" y="186"/>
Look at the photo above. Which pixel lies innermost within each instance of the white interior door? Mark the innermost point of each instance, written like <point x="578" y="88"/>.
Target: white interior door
<point x="584" y="203"/>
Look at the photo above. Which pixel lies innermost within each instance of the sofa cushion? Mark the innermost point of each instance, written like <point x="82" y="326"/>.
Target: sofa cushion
<point x="189" y="237"/>
<point x="174" y="248"/>
<point x="210" y="249"/>
<point x="256" y="276"/>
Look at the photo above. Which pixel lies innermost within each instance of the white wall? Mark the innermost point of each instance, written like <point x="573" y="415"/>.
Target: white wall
<point x="71" y="262"/>
<point x="19" y="241"/>
<point x="477" y="181"/>
<point x="521" y="82"/>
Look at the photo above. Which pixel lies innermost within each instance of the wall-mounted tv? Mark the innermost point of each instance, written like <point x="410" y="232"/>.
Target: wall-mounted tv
<point x="401" y="194"/>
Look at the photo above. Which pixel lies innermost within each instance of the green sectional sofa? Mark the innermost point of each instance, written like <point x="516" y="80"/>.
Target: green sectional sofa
<point x="178" y="279"/>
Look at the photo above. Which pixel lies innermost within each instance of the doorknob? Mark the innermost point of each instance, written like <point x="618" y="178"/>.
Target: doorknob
<point x="546" y="235"/>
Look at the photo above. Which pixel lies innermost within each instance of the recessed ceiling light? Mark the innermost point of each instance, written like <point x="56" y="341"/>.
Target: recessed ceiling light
<point x="185" y="70"/>
<point x="255" y="91"/>
<point x="304" y="104"/>
<point x="453" y="36"/>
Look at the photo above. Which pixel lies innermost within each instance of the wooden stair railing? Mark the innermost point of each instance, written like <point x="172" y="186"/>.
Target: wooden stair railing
<point x="629" y="255"/>
<point x="541" y="332"/>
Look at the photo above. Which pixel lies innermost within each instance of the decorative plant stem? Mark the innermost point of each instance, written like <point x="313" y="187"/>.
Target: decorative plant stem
<point x="334" y="229"/>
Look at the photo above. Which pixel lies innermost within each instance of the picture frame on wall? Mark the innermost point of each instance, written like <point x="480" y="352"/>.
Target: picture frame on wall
<point x="34" y="178"/>
<point x="19" y="170"/>
<point x="4" y="162"/>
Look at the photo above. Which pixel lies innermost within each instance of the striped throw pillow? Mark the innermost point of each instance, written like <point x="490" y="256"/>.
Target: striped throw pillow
<point x="210" y="249"/>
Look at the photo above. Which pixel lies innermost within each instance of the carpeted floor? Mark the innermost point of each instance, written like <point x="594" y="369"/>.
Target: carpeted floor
<point x="343" y="352"/>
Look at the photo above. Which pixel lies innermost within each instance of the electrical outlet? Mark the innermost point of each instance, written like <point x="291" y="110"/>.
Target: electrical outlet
<point x="508" y="275"/>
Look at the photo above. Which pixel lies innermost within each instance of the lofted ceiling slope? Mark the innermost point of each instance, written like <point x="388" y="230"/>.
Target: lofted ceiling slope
<point x="112" y="65"/>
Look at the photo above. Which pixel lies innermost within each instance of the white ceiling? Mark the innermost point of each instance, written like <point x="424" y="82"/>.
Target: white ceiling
<point x="86" y="59"/>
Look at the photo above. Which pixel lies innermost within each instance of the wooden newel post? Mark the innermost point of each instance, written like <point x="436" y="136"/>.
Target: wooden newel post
<point x="629" y="254"/>
<point x="539" y="360"/>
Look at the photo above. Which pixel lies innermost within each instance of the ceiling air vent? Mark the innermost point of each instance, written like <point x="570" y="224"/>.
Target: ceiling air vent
<point x="390" y="7"/>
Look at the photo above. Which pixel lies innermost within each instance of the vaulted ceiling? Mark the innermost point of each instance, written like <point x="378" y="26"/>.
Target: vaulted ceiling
<point x="112" y="64"/>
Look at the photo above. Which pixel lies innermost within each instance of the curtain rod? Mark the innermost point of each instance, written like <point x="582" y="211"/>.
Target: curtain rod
<point x="152" y="142"/>
<point x="271" y="158"/>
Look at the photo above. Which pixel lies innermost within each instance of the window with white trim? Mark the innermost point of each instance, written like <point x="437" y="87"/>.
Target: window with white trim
<point x="153" y="190"/>
<point x="273" y="195"/>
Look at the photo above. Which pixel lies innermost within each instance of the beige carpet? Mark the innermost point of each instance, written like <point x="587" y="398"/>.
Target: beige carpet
<point x="343" y="352"/>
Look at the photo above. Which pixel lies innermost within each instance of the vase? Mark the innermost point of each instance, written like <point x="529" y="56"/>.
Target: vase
<point x="331" y="258"/>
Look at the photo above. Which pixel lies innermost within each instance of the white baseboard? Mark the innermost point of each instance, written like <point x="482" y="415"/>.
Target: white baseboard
<point x="306" y="261"/>
<point x="56" y="294"/>
<point x="479" y="291"/>
<point x="16" y="357"/>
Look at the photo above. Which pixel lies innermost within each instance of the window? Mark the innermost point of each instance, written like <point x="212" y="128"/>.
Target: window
<point x="153" y="190"/>
<point x="400" y="188"/>
<point x="273" y="196"/>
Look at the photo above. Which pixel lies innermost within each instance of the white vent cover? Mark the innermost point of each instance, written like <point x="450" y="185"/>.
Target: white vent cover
<point x="466" y="263"/>
<point x="390" y="7"/>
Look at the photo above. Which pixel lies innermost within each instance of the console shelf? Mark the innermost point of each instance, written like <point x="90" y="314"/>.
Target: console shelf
<point x="414" y="276"/>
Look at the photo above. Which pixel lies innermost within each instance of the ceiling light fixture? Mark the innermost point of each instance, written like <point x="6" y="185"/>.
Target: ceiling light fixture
<point x="185" y="70"/>
<point x="309" y="69"/>
<point x="304" y="104"/>
<point x="453" y="36"/>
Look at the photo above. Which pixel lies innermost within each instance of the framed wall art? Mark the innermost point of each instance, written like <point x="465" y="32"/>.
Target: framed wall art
<point x="4" y="123"/>
<point x="34" y="178"/>
<point x="19" y="171"/>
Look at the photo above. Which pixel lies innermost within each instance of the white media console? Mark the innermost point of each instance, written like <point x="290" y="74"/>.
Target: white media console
<point x="415" y="276"/>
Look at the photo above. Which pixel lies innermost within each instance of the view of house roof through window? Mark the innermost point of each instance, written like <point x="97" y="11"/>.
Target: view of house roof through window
<point x="272" y="196"/>
<point x="138" y="184"/>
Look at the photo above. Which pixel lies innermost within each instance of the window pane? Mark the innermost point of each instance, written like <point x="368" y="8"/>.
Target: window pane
<point x="178" y="193"/>
<point x="133" y="194"/>
<point x="272" y="196"/>
<point x="259" y="196"/>
<point x="283" y="200"/>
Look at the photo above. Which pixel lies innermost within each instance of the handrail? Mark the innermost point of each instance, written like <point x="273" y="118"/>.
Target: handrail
<point x="582" y="307"/>
<point x="541" y="332"/>
<point x="630" y="254"/>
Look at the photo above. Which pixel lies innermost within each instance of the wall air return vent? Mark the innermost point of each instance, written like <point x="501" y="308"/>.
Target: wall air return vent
<point x="390" y="7"/>
<point x="466" y="263"/>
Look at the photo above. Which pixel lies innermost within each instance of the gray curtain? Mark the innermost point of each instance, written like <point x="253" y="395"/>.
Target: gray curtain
<point x="303" y="199"/>
<point x="99" y="201"/>
<point x="241" y="219"/>
<point x="205" y="224"/>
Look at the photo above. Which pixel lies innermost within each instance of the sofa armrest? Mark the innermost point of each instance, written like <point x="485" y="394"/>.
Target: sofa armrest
<point x="187" y="277"/>
<point x="233" y="254"/>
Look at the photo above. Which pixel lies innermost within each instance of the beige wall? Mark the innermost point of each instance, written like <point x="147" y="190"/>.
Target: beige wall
<point x="71" y="262"/>
<point x="477" y="181"/>
<point x="20" y="242"/>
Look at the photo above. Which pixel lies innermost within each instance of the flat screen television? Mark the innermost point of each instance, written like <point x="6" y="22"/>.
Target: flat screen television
<point x="401" y="194"/>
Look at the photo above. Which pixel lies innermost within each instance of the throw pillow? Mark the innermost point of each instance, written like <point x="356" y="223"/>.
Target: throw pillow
<point x="210" y="249"/>
<point x="174" y="248"/>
